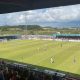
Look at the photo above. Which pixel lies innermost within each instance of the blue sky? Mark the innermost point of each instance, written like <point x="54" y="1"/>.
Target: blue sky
<point x="58" y="16"/>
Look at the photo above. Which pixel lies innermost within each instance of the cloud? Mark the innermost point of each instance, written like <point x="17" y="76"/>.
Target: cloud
<point x="57" y="14"/>
<point x="66" y="13"/>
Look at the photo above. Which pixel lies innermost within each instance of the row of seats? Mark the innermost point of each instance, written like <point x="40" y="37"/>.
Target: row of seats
<point x="17" y="71"/>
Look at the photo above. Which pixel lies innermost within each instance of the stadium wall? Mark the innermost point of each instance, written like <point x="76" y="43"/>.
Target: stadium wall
<point x="37" y="37"/>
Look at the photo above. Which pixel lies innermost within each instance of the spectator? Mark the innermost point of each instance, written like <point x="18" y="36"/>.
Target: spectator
<point x="1" y="75"/>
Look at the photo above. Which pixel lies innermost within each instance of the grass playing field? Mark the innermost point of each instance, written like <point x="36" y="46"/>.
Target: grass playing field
<point x="66" y="55"/>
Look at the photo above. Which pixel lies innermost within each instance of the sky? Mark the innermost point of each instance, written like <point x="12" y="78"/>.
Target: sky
<point x="64" y="16"/>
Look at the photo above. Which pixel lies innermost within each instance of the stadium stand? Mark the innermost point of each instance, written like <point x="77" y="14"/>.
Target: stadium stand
<point x="8" y="37"/>
<point x="17" y="71"/>
<point x="67" y="36"/>
<point x="11" y="71"/>
<point x="42" y="37"/>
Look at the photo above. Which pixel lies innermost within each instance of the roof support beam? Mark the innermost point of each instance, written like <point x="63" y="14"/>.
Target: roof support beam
<point x="7" y="6"/>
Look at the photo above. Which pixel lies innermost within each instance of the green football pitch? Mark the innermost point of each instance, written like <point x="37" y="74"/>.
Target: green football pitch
<point x="66" y="55"/>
